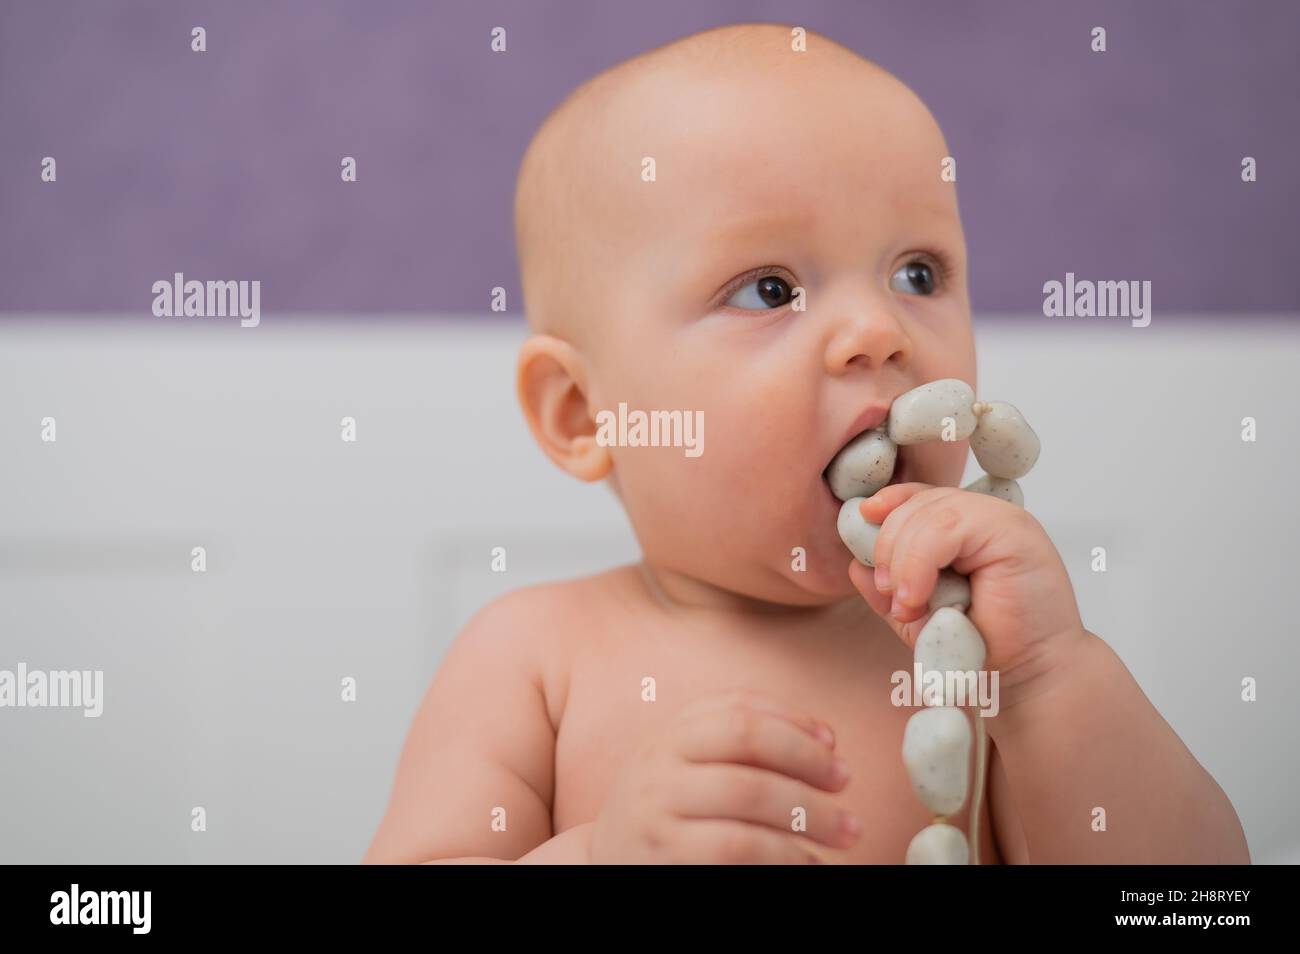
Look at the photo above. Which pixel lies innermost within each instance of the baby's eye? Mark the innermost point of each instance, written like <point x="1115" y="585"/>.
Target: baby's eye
<point x="768" y="292"/>
<point x="914" y="278"/>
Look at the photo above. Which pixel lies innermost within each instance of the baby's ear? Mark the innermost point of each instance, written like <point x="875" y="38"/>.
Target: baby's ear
<point x="552" y="386"/>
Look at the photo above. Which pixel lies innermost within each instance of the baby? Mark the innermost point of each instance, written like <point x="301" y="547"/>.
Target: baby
<point x="735" y="227"/>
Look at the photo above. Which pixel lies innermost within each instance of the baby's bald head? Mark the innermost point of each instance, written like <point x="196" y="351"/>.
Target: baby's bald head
<point x="581" y="202"/>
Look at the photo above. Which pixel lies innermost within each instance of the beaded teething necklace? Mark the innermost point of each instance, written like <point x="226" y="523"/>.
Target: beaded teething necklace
<point x="937" y="739"/>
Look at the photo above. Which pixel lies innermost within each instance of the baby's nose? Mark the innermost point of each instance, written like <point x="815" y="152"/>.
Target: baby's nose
<point x="868" y="336"/>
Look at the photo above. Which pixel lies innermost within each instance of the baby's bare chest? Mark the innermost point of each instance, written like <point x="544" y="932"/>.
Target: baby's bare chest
<point x="622" y="692"/>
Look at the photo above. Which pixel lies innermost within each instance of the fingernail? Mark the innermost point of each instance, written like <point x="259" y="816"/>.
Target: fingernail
<point x="882" y="577"/>
<point x="825" y="734"/>
<point x="850" y="824"/>
<point x="904" y="593"/>
<point x="839" y="771"/>
<point x="895" y="608"/>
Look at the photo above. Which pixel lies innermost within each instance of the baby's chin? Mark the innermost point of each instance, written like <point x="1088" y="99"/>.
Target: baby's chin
<point x="791" y="560"/>
<point x="822" y="588"/>
<point x="811" y="592"/>
<point x="817" y="576"/>
<point x="783" y="549"/>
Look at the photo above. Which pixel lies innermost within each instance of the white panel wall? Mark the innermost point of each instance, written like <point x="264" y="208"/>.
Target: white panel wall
<point x="329" y="559"/>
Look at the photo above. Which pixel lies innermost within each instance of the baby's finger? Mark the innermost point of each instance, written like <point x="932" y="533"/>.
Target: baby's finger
<point x="815" y="727"/>
<point x="946" y="531"/>
<point x="743" y="793"/>
<point x="747" y="735"/>
<point x="862" y="579"/>
<point x="715" y="841"/>
<point x="936" y="533"/>
<point x="880" y="504"/>
<point x="897" y="518"/>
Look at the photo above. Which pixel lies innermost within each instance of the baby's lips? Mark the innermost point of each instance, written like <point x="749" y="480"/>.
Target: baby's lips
<point x="868" y="420"/>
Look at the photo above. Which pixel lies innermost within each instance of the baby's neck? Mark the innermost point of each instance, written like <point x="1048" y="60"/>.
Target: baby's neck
<point x="677" y="592"/>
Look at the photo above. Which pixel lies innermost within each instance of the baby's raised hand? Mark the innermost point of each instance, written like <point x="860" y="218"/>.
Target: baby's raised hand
<point x="1022" y="602"/>
<point x="727" y="783"/>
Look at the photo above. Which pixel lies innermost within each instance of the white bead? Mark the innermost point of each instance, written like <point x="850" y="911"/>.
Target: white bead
<point x="864" y="465"/>
<point x="952" y="589"/>
<point x="999" y="487"/>
<point x="949" y="642"/>
<point x="858" y="534"/>
<point x="936" y="751"/>
<point x="918" y="415"/>
<point x="1004" y="443"/>
<point x="938" y="844"/>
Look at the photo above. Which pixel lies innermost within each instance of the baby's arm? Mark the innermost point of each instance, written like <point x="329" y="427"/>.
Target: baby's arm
<point x="1087" y="739"/>
<point x="1073" y="732"/>
<point x="481" y="741"/>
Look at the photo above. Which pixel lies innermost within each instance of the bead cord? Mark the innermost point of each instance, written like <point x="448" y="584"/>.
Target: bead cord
<point x="935" y="750"/>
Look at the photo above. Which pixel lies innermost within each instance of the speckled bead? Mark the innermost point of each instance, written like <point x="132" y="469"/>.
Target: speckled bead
<point x="863" y="466"/>
<point x="1003" y="489"/>
<point x="858" y="534"/>
<point x="936" y="751"/>
<point x="1003" y="443"/>
<point x="938" y="844"/>
<point x="949" y="642"/>
<point x="952" y="589"/>
<point x="917" y="416"/>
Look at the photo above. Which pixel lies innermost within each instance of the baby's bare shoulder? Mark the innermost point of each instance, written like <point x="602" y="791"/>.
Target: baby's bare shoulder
<point x="513" y="657"/>
<point x="538" y="628"/>
<point x="556" y="605"/>
<point x="489" y="720"/>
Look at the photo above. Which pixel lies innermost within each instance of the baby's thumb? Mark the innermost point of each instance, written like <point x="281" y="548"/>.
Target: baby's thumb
<point x="864" y="579"/>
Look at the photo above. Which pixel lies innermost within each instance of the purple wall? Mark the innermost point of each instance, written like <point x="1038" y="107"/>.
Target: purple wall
<point x="226" y="164"/>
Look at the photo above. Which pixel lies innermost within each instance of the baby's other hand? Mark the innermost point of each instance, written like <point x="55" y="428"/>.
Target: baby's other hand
<point x="722" y="785"/>
<point x="1021" y="598"/>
